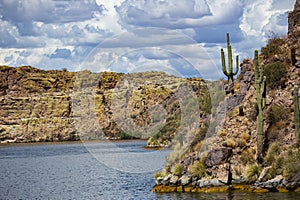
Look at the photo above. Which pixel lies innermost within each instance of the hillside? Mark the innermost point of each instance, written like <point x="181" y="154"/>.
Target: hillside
<point x="228" y="157"/>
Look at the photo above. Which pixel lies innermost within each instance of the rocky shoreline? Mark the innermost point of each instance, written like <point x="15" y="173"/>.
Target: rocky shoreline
<point x="173" y="183"/>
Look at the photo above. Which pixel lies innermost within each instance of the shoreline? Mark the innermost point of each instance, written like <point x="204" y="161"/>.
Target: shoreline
<point x="12" y="144"/>
<point x="220" y="189"/>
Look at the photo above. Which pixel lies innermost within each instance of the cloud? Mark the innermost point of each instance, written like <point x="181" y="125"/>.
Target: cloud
<point x="175" y="15"/>
<point x="146" y="37"/>
<point x="162" y="13"/>
<point x="185" y="36"/>
<point x="48" y="11"/>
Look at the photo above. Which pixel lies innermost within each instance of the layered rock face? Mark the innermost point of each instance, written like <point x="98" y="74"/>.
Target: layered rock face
<point x="57" y="105"/>
<point x="35" y="105"/>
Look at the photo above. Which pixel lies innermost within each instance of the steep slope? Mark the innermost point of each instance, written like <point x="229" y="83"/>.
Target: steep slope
<point x="227" y="157"/>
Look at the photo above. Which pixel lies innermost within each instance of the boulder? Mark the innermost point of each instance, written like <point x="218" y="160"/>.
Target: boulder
<point x="174" y="180"/>
<point x="218" y="156"/>
<point x="210" y="183"/>
<point x="185" y="180"/>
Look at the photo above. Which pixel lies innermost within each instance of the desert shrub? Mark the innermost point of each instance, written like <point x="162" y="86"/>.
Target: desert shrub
<point x="277" y="113"/>
<point x="240" y="142"/>
<point x="198" y="169"/>
<point x="273" y="151"/>
<point x="229" y="142"/>
<point x="177" y="170"/>
<point x="272" y="47"/>
<point x="253" y="172"/>
<point x="276" y="75"/>
<point x="245" y="136"/>
<point x="276" y="131"/>
<point x="291" y="165"/>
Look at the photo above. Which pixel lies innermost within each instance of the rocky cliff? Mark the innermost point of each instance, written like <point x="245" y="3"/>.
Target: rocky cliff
<point x="227" y="158"/>
<point x="57" y="105"/>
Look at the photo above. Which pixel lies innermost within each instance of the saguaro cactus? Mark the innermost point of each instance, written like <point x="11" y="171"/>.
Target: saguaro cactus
<point x="296" y="114"/>
<point x="230" y="72"/>
<point x="260" y="86"/>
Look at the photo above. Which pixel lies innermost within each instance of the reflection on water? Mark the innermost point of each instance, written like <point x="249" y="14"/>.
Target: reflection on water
<point x="70" y="171"/>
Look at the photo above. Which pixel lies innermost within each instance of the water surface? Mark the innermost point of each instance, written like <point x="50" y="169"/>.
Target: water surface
<point x="74" y="171"/>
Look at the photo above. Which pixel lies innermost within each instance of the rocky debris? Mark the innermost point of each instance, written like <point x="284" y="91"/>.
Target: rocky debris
<point x="234" y="101"/>
<point x="277" y="183"/>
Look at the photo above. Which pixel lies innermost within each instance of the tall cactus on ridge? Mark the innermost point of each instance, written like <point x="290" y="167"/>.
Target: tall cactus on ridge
<point x="230" y="72"/>
<point x="296" y="114"/>
<point x="260" y="86"/>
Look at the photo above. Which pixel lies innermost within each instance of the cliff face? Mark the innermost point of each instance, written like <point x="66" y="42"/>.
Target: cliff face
<point x="57" y="105"/>
<point x="35" y="105"/>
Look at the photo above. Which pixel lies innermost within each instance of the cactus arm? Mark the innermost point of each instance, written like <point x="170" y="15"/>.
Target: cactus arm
<point x="223" y="63"/>
<point x="237" y="66"/>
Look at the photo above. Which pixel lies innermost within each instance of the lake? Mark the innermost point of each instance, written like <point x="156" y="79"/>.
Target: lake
<point x="95" y="170"/>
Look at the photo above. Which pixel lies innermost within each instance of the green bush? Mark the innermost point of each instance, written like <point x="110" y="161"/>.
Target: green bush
<point x="253" y="172"/>
<point x="277" y="113"/>
<point x="276" y="75"/>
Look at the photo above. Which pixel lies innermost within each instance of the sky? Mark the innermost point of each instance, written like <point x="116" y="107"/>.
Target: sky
<point x="180" y="37"/>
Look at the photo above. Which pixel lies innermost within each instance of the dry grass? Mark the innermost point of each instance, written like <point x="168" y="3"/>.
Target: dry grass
<point x="253" y="172"/>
